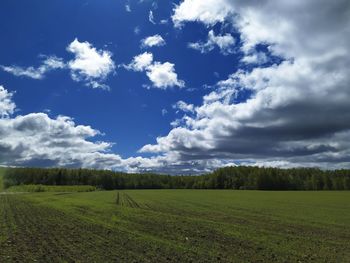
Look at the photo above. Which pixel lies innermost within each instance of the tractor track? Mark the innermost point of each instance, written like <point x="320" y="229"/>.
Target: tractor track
<point x="123" y="199"/>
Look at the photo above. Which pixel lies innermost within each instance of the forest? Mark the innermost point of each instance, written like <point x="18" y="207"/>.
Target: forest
<point x="240" y="177"/>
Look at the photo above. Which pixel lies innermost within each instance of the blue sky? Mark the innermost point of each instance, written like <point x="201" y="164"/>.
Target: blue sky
<point x="43" y="28"/>
<point x="238" y="76"/>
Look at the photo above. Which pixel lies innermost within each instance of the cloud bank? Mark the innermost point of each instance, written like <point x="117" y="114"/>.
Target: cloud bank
<point x="296" y="111"/>
<point x="36" y="139"/>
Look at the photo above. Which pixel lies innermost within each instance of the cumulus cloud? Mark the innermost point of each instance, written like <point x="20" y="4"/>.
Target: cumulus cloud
<point x="90" y="65"/>
<point x="36" y="139"/>
<point x="208" y="12"/>
<point x="292" y="113"/>
<point x="224" y="42"/>
<point x="162" y="75"/>
<point x="50" y="63"/>
<point x="7" y="106"/>
<point x="151" y="41"/>
<point x="295" y="112"/>
<point x="140" y="62"/>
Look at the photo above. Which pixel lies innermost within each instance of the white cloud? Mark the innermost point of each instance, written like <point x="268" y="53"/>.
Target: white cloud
<point x="140" y="62"/>
<point x="127" y="8"/>
<point x="295" y="113"/>
<point x="176" y="123"/>
<point x="207" y="11"/>
<point x="155" y="40"/>
<point x="7" y="106"/>
<point x="170" y="164"/>
<point x="49" y="64"/>
<point x="162" y="75"/>
<point x="151" y="17"/>
<point x="90" y="65"/>
<point x="224" y="42"/>
<point x="53" y="62"/>
<point x="36" y="139"/>
<point x="255" y="58"/>
<point x="183" y="106"/>
<point x="30" y="72"/>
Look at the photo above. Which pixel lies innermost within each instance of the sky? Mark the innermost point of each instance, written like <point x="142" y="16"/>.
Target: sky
<point x="178" y="87"/>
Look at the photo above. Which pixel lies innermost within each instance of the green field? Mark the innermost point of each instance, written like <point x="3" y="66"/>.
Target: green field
<point x="51" y="188"/>
<point x="2" y="172"/>
<point x="175" y="226"/>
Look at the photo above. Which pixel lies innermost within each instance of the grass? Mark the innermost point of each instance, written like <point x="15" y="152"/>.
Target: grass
<point x="51" y="188"/>
<point x="176" y="226"/>
<point x="1" y="183"/>
<point x="2" y="172"/>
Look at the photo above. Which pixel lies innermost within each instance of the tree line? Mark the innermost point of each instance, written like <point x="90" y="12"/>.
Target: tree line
<point x="241" y="177"/>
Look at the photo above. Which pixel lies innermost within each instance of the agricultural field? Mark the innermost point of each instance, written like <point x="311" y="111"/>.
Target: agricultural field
<point x="175" y="226"/>
<point x="2" y="172"/>
<point x="51" y="188"/>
